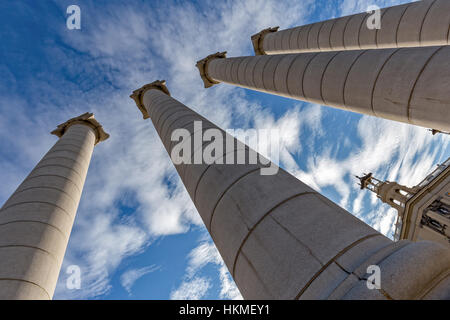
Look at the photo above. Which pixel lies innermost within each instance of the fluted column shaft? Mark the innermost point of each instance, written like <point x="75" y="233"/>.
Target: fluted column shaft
<point x="415" y="24"/>
<point x="408" y="84"/>
<point x="36" y="221"/>
<point x="279" y="238"/>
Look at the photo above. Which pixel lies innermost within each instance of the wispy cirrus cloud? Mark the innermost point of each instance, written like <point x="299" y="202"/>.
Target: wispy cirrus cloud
<point x="193" y="289"/>
<point x="129" y="277"/>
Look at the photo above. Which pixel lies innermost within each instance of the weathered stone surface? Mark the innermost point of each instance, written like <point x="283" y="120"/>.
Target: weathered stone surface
<point x="35" y="222"/>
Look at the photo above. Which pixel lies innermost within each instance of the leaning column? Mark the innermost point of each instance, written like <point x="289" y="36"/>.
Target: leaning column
<point x="279" y="238"/>
<point x="36" y="221"/>
<point x="415" y="24"/>
<point x="407" y="84"/>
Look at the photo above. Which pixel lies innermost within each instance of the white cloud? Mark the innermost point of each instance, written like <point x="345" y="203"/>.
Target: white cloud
<point x="199" y="257"/>
<point x="129" y="277"/>
<point x="193" y="289"/>
<point x="206" y="253"/>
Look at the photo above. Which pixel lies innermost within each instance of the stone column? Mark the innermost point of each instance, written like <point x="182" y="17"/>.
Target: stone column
<point x="36" y="221"/>
<point x="279" y="238"/>
<point x="407" y="84"/>
<point x="415" y="24"/>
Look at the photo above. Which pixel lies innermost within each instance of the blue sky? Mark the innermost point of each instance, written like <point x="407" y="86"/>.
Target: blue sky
<point x="137" y="234"/>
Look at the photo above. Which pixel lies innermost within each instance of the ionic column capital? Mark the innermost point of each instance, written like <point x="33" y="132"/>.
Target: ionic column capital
<point x="202" y="66"/>
<point x="138" y="94"/>
<point x="257" y="40"/>
<point x="86" y="119"/>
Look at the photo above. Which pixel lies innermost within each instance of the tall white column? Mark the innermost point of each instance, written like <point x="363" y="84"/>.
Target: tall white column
<point x="409" y="85"/>
<point x="36" y="221"/>
<point x="279" y="238"/>
<point x="415" y="24"/>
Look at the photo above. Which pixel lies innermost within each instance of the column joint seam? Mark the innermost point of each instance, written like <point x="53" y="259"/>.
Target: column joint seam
<point x="60" y="157"/>
<point x="193" y="153"/>
<point x="157" y="105"/>
<point x="442" y="276"/>
<point x="237" y="70"/>
<point x="275" y="72"/>
<point x="262" y="219"/>
<point x="191" y="135"/>
<point x="238" y="78"/>
<point x="381" y="21"/>
<point x="30" y="282"/>
<point x="347" y="75"/>
<point x="408" y="106"/>
<point x="359" y="30"/>
<point x="287" y="74"/>
<point x="162" y="104"/>
<point x="157" y="125"/>
<point x="395" y="249"/>
<point x="42" y="202"/>
<point x="323" y="74"/>
<point x="318" y="35"/>
<point x="343" y="32"/>
<point x="70" y="151"/>
<point x="53" y="175"/>
<point x="288" y="40"/>
<point x="225" y="191"/>
<point x="298" y="36"/>
<point x="61" y="166"/>
<point x="164" y="112"/>
<point x="62" y="144"/>
<point x="307" y="36"/>
<point x="448" y="35"/>
<point x="290" y="37"/>
<point x="153" y="103"/>
<point x="203" y="173"/>
<point x="171" y="123"/>
<point x="423" y="21"/>
<point x="35" y="221"/>
<point x="229" y="66"/>
<point x="45" y="187"/>
<point x="400" y="21"/>
<point x="304" y="72"/>
<point x="339" y="254"/>
<point x="376" y="79"/>
<point x="262" y="73"/>
<point x="82" y="141"/>
<point x="331" y="31"/>
<point x="31" y="247"/>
